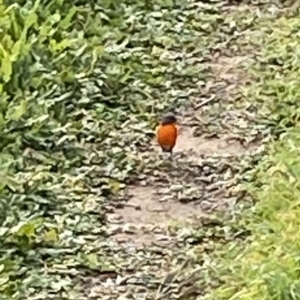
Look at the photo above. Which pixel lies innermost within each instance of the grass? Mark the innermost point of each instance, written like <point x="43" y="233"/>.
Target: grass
<point x="267" y="266"/>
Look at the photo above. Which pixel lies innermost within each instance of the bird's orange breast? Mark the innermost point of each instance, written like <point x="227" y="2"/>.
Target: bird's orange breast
<point x="166" y="136"/>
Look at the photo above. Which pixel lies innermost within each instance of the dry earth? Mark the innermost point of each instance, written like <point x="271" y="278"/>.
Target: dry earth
<point x="148" y="205"/>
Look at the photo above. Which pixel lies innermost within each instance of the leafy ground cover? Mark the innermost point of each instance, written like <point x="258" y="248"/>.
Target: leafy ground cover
<point x="90" y="208"/>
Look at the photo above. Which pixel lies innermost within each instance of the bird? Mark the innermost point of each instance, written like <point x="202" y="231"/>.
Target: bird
<point x="166" y="133"/>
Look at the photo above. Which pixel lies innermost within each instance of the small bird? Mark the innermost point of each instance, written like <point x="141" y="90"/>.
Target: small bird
<point x="166" y="133"/>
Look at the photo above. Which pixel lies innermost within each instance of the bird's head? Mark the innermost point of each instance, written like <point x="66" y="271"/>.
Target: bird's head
<point x="168" y="118"/>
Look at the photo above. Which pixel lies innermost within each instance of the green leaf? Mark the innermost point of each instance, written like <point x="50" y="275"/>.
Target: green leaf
<point x="16" y="50"/>
<point x="51" y="236"/>
<point x="18" y="111"/>
<point x="4" y="279"/>
<point x="66" y="22"/>
<point x="92" y="260"/>
<point x="26" y="228"/>
<point x="6" y="68"/>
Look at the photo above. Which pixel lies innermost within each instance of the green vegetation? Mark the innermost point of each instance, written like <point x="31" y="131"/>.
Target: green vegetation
<point x="267" y="266"/>
<point x="81" y="88"/>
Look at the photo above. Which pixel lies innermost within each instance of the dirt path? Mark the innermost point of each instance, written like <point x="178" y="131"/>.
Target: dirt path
<point x="169" y="215"/>
<point x="154" y="204"/>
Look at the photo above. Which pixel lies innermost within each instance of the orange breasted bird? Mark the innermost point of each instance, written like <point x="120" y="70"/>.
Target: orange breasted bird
<point x="166" y="133"/>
